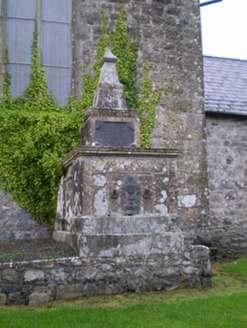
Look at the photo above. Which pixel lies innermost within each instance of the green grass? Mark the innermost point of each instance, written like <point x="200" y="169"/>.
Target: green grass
<point x="238" y="267"/>
<point x="222" y="305"/>
<point x="11" y="256"/>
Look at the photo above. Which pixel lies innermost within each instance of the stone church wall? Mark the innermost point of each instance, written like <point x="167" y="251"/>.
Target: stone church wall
<point x="227" y="175"/>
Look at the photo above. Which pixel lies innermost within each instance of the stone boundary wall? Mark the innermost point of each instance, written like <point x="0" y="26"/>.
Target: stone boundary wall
<point x="38" y="282"/>
<point x="16" y="223"/>
<point x="227" y="174"/>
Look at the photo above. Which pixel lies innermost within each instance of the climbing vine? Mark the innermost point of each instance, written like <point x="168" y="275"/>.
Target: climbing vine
<point x="35" y="135"/>
<point x="36" y="92"/>
<point x="147" y="103"/>
<point x="6" y="100"/>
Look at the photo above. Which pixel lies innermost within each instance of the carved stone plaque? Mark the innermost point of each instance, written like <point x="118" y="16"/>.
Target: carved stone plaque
<point x="131" y="196"/>
<point x="114" y="134"/>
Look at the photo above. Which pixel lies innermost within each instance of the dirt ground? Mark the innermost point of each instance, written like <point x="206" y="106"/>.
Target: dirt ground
<point x="29" y="250"/>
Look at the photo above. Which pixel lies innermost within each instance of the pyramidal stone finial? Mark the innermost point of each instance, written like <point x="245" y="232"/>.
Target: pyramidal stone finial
<point x="108" y="57"/>
<point x="109" y="92"/>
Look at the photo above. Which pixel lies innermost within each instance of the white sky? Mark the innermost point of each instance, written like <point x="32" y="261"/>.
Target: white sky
<point x="224" y="29"/>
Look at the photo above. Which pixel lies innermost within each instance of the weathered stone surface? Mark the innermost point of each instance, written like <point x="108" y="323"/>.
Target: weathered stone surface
<point x="16" y="298"/>
<point x="60" y="275"/>
<point x="3" y="299"/>
<point x="10" y="275"/>
<point x="109" y="92"/>
<point x="131" y="245"/>
<point x="76" y="277"/>
<point x="32" y="275"/>
<point x="38" y="299"/>
<point x="16" y="223"/>
<point x="131" y="196"/>
<point x="66" y="291"/>
<point x="88" y="188"/>
<point x="227" y="157"/>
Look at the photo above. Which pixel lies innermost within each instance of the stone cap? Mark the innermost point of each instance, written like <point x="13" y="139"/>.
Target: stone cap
<point x="108" y="57"/>
<point x="110" y="112"/>
<point x="118" y="152"/>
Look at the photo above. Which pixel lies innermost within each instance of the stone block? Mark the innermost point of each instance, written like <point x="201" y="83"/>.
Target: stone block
<point x="3" y="299"/>
<point x="33" y="275"/>
<point x="10" y="275"/>
<point x="16" y="298"/>
<point x="38" y="298"/>
<point x="60" y="275"/>
<point x="7" y="236"/>
<point x="92" y="289"/>
<point x="198" y="252"/>
<point x="191" y="270"/>
<point x="131" y="245"/>
<point x="83" y="32"/>
<point x="68" y="291"/>
<point x="206" y="268"/>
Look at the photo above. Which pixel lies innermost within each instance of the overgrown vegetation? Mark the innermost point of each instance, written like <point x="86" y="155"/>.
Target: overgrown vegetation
<point x="36" y="133"/>
<point x="222" y="305"/>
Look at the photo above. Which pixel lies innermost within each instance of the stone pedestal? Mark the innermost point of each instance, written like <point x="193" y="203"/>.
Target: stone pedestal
<point x="106" y="187"/>
<point x="119" y="201"/>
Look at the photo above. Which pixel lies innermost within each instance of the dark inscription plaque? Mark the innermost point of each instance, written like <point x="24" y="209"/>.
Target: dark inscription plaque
<point x="114" y="134"/>
<point x="131" y="196"/>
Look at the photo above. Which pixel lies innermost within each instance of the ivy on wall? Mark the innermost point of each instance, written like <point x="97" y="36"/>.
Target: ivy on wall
<point x="147" y="103"/>
<point x="6" y="100"/>
<point x="36" y="133"/>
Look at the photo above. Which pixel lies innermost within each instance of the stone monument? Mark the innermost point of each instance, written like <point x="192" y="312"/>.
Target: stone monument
<point x="117" y="204"/>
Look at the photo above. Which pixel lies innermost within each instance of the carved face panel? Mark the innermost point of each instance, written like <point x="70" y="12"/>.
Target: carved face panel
<point x="131" y="196"/>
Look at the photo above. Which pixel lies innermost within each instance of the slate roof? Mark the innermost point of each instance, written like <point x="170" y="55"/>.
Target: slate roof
<point x="225" y="85"/>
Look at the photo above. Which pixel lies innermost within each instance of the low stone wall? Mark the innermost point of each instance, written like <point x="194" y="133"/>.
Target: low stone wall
<point x="43" y="281"/>
<point x="16" y="222"/>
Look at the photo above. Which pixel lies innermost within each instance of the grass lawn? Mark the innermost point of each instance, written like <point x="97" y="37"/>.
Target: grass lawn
<point x="222" y="305"/>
